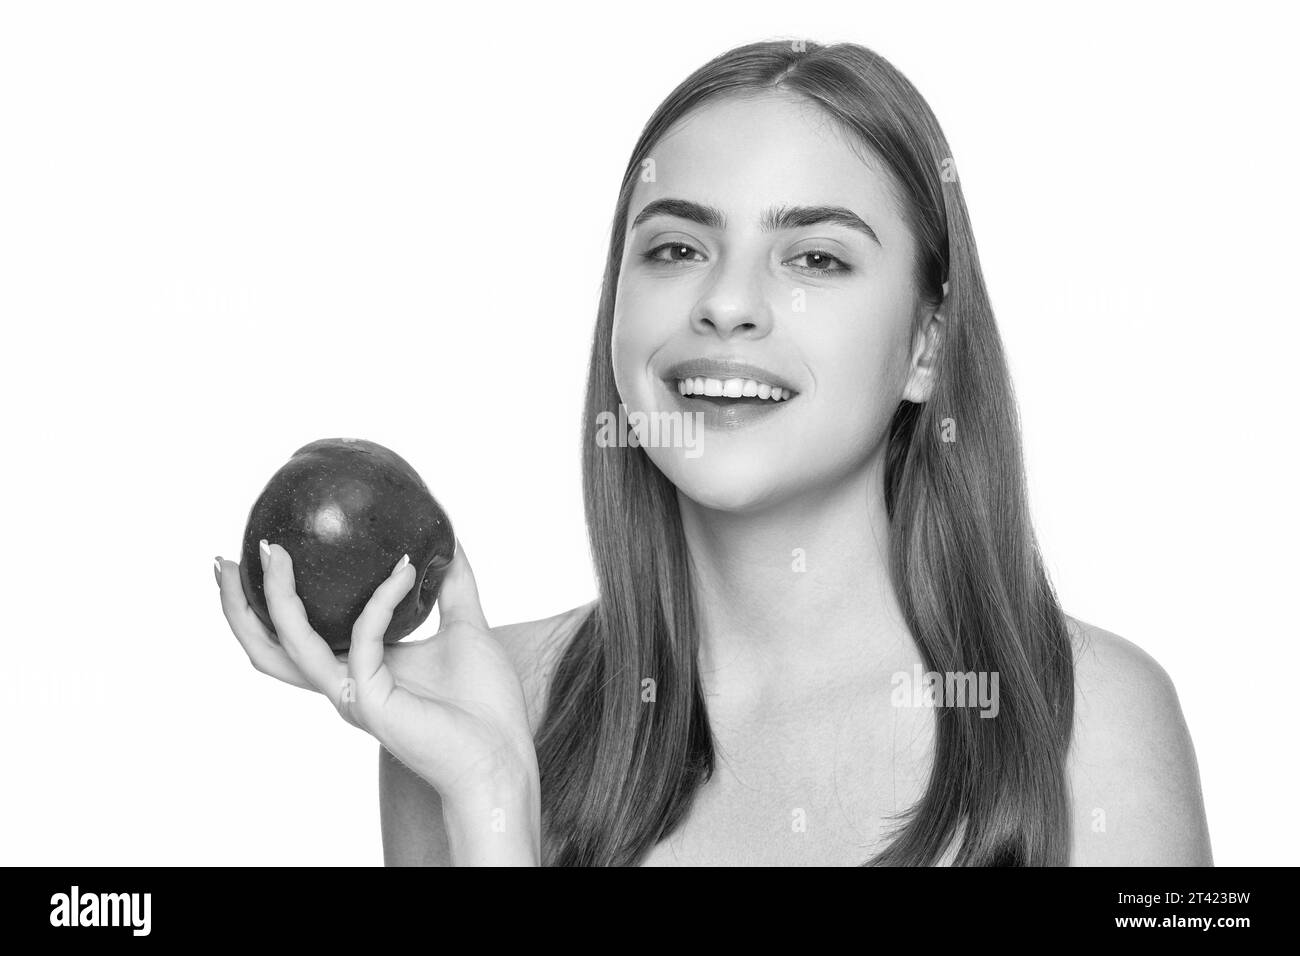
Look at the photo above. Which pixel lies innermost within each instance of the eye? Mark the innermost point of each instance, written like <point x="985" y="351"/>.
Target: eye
<point x="674" y="248"/>
<point x="823" y="260"/>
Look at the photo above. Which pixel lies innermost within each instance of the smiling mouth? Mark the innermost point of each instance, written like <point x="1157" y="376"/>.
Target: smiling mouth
<point x="729" y="391"/>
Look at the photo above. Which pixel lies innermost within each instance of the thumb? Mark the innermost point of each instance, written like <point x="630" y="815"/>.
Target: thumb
<point x="458" y="600"/>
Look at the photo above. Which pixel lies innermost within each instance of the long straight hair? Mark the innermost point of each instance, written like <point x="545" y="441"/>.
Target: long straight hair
<point x="625" y="742"/>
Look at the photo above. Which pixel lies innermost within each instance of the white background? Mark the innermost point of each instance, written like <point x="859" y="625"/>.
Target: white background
<point x="228" y="229"/>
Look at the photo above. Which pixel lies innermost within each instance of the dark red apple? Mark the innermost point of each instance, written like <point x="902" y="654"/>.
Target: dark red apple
<point x="346" y="510"/>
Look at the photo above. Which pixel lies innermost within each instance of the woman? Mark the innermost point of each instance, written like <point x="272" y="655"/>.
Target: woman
<point x="790" y="261"/>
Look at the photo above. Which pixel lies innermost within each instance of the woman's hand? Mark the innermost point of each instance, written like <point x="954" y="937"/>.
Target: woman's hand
<point x="449" y="707"/>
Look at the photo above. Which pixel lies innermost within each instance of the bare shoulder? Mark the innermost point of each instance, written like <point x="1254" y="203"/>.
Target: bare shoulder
<point x="1135" y="787"/>
<point x="534" y="647"/>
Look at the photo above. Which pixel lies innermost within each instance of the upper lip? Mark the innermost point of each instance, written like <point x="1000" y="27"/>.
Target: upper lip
<point x="725" y="369"/>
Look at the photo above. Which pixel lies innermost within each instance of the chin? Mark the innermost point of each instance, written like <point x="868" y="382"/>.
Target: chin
<point x="721" y="482"/>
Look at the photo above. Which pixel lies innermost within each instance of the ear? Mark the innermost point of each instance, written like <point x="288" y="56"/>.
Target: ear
<point x="926" y="342"/>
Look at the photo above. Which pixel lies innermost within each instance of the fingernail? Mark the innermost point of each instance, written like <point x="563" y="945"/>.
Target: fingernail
<point x="216" y="569"/>
<point x="406" y="559"/>
<point x="265" y="549"/>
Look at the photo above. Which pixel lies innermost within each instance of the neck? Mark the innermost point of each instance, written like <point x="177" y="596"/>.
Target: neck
<point x="797" y="594"/>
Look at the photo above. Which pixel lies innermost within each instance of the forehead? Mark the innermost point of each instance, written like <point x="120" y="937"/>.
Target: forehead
<point x="745" y="154"/>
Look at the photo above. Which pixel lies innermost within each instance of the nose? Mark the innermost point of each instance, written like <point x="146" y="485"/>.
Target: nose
<point x="733" y="305"/>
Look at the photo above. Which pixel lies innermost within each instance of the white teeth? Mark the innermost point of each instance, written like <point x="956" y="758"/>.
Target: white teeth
<point x="732" y="388"/>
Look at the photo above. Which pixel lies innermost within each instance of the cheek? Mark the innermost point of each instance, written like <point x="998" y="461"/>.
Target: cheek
<point x="863" y="370"/>
<point x="625" y="355"/>
<point x="637" y="334"/>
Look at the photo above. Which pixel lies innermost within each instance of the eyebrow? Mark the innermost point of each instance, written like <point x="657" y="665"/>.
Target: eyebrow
<point x="772" y="220"/>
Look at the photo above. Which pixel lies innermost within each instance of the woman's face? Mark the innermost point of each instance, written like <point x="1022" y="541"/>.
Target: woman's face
<point x="782" y="250"/>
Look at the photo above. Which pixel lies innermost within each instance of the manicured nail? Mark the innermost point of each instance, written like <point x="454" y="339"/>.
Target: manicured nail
<point x="216" y="569"/>
<point x="406" y="559"/>
<point x="265" y="549"/>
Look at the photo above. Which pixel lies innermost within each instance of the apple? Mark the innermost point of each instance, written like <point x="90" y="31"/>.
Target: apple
<point x="346" y="510"/>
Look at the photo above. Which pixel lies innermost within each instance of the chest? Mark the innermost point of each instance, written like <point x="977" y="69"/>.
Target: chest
<point x="811" y="785"/>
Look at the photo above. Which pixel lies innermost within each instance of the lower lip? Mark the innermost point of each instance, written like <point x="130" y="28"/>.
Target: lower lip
<point x="725" y="416"/>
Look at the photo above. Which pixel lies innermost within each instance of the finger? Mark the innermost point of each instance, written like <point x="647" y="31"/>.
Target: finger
<point x="458" y="599"/>
<point x="305" y="647"/>
<point x="366" y="653"/>
<point x="366" y="665"/>
<point x="265" y="655"/>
